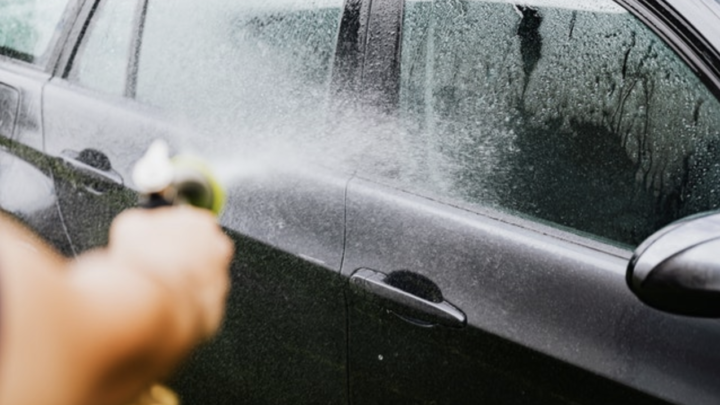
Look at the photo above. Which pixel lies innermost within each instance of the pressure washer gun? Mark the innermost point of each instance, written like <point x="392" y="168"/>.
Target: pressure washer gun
<point x="163" y="181"/>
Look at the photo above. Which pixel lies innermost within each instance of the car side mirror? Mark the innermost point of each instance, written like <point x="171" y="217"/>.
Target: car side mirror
<point x="677" y="269"/>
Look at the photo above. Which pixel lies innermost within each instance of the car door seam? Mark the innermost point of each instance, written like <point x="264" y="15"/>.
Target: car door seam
<point x="345" y="290"/>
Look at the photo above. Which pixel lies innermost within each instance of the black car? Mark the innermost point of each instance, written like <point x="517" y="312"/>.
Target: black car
<point x="433" y="201"/>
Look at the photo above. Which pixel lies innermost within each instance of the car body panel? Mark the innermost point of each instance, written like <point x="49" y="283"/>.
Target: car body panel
<point x="544" y="314"/>
<point x="26" y="187"/>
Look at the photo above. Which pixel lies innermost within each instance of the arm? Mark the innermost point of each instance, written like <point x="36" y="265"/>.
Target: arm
<point x="101" y="328"/>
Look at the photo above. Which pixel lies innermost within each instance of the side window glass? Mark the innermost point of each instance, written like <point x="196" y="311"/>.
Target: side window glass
<point x="27" y="27"/>
<point x="103" y="58"/>
<point x="572" y="113"/>
<point x="250" y="68"/>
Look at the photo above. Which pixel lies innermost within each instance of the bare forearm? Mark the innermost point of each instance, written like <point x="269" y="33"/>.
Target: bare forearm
<point x="34" y="331"/>
<point x="134" y="331"/>
<point x="100" y="329"/>
<point x="97" y="334"/>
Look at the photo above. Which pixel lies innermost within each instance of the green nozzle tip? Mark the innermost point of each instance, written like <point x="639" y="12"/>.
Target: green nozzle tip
<point x="197" y="168"/>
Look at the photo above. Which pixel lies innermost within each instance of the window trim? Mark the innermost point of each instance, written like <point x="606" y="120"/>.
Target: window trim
<point x="17" y="55"/>
<point x="70" y="74"/>
<point x="660" y="17"/>
<point x="71" y="15"/>
<point x="675" y="29"/>
<point x="350" y="47"/>
<point x="85" y="26"/>
<point x="74" y="38"/>
<point x="381" y="65"/>
<point x="135" y="47"/>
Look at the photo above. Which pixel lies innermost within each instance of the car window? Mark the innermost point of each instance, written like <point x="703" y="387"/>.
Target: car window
<point x="570" y="113"/>
<point x="103" y="57"/>
<point x="245" y="68"/>
<point x="27" y="27"/>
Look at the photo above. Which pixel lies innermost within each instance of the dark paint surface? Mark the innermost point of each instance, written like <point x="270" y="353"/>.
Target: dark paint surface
<point x="27" y="193"/>
<point x="26" y="187"/>
<point x="401" y="363"/>
<point x="283" y="340"/>
<point x="550" y="316"/>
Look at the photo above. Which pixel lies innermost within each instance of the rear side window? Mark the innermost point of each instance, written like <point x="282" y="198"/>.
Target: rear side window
<point x="570" y="113"/>
<point x="27" y="27"/>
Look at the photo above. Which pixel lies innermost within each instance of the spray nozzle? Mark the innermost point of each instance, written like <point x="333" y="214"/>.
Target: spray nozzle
<point x="162" y="180"/>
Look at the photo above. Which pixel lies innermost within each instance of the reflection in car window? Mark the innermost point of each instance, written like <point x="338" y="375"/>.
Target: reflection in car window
<point x="247" y="67"/>
<point x="28" y="26"/>
<point x="579" y="116"/>
<point x="102" y="61"/>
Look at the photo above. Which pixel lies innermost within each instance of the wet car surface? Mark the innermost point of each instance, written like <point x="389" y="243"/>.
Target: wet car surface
<point x="432" y="201"/>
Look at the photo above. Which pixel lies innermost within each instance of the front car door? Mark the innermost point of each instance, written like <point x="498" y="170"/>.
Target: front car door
<point x="535" y="145"/>
<point x="235" y="83"/>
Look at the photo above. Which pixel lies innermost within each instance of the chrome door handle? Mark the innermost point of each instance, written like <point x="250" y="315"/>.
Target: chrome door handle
<point x="438" y="313"/>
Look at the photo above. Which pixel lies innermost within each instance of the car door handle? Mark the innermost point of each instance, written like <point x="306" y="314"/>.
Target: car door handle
<point x="430" y="312"/>
<point x="98" y="176"/>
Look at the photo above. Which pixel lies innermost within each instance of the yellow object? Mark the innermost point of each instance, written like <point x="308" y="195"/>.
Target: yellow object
<point x="183" y="179"/>
<point x="157" y="395"/>
<point x="189" y="168"/>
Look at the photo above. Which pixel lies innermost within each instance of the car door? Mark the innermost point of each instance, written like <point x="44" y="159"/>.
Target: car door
<point x="28" y="49"/>
<point x="219" y="80"/>
<point x="532" y="146"/>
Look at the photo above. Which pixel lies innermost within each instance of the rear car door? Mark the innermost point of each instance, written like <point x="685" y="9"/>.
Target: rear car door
<point x="29" y="44"/>
<point x="232" y="82"/>
<point x="530" y="147"/>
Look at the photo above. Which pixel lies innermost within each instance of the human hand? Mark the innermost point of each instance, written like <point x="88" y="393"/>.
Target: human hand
<point x="103" y="327"/>
<point x="184" y="250"/>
